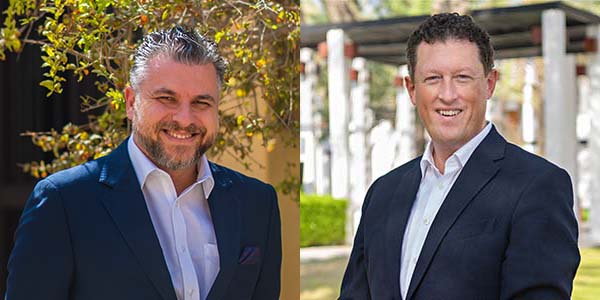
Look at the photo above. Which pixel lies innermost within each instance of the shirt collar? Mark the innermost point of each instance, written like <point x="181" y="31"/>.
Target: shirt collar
<point x="459" y="158"/>
<point x="143" y="166"/>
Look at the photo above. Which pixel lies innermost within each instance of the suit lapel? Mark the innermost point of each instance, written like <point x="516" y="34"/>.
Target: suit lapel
<point x="399" y="211"/>
<point x="125" y="203"/>
<point x="478" y="171"/>
<point x="226" y="217"/>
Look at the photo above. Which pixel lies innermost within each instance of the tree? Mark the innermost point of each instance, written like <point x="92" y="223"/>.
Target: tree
<point x="98" y="37"/>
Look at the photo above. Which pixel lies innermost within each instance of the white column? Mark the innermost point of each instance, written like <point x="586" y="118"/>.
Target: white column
<point x="560" y="144"/>
<point x="322" y="167"/>
<point x="380" y="138"/>
<point x="359" y="96"/>
<point x="594" y="144"/>
<point x="338" y="90"/>
<point x="528" y="124"/>
<point x="405" y="122"/>
<point x="308" y="81"/>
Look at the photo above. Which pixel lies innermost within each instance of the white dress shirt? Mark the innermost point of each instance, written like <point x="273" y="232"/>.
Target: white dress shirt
<point x="433" y="189"/>
<point x="182" y="223"/>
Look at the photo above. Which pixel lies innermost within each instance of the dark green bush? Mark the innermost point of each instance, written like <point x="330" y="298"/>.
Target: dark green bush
<point x="322" y="220"/>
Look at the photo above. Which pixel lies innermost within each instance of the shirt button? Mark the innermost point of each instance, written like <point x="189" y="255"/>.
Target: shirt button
<point x="426" y="221"/>
<point x="183" y="250"/>
<point x="190" y="292"/>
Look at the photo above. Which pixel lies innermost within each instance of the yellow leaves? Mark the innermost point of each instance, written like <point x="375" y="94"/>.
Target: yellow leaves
<point x="9" y="38"/>
<point x="83" y="136"/>
<point x="232" y="81"/>
<point x="218" y="36"/>
<point x="64" y="138"/>
<point x="118" y="100"/>
<point x="241" y="93"/>
<point x="238" y="53"/>
<point x="240" y="120"/>
<point x="115" y="104"/>
<point x="260" y="63"/>
<point x="49" y="84"/>
<point x="259" y="40"/>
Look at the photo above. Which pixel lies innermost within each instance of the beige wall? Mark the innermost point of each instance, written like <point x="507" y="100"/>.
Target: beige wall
<point x="273" y="171"/>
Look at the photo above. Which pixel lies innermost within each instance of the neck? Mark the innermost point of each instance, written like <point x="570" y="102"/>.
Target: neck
<point x="183" y="178"/>
<point x="440" y="156"/>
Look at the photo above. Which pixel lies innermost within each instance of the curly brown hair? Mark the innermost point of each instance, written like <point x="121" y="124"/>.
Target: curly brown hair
<point x="444" y="26"/>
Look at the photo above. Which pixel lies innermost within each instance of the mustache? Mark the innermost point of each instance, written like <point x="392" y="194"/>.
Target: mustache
<point x="172" y="125"/>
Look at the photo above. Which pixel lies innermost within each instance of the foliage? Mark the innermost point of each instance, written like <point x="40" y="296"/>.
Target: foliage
<point x="585" y="286"/>
<point x="322" y="220"/>
<point x="97" y="38"/>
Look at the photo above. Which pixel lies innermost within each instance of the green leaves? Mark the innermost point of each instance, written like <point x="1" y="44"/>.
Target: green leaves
<point x="97" y="38"/>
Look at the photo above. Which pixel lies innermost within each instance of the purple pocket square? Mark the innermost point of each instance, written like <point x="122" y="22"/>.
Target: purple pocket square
<point x="250" y="255"/>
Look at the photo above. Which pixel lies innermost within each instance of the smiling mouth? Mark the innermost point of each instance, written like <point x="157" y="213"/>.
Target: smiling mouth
<point x="179" y="135"/>
<point x="449" y="112"/>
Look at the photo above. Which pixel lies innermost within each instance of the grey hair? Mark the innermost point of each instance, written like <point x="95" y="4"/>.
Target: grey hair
<point x="184" y="46"/>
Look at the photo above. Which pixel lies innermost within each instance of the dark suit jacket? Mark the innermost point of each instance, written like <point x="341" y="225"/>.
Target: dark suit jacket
<point x="506" y="230"/>
<point x="86" y="233"/>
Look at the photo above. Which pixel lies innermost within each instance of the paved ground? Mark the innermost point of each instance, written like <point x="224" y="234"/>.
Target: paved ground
<point x="319" y="253"/>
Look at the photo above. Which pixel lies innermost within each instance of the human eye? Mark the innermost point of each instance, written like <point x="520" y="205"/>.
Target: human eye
<point x="464" y="78"/>
<point x="201" y="103"/>
<point x="164" y="98"/>
<point x="432" y="79"/>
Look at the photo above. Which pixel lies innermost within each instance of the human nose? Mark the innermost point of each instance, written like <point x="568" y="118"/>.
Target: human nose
<point x="448" y="91"/>
<point x="184" y="115"/>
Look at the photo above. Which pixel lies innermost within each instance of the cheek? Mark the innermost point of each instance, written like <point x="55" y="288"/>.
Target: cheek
<point x="210" y="119"/>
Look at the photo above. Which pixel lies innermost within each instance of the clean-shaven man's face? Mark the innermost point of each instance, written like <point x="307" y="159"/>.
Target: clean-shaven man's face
<point x="174" y="112"/>
<point x="450" y="90"/>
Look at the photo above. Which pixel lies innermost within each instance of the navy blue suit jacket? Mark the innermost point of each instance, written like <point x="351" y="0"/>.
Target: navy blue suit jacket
<point x="86" y="234"/>
<point x="506" y="230"/>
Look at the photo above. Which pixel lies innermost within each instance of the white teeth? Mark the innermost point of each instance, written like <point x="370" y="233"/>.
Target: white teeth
<point x="449" y="113"/>
<point x="179" y="136"/>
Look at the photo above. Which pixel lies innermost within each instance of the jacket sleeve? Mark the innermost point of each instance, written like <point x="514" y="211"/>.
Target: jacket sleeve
<point x="355" y="284"/>
<point x="542" y="255"/>
<point x="40" y="265"/>
<point x="269" y="280"/>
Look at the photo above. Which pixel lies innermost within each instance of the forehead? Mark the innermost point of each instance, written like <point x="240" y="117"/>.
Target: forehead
<point x="451" y="54"/>
<point x="164" y="72"/>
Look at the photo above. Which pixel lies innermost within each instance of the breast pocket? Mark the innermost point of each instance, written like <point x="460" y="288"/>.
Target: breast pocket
<point x="471" y="229"/>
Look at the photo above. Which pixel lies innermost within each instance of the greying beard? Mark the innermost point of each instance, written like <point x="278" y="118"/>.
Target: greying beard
<point x="158" y="155"/>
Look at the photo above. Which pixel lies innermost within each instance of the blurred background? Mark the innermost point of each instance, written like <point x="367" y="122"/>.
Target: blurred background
<point x="357" y="122"/>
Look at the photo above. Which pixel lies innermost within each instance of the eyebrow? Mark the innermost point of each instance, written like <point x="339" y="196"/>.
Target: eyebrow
<point x="164" y="91"/>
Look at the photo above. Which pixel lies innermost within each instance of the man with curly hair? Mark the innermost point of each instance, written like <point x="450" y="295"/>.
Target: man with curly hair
<point x="474" y="217"/>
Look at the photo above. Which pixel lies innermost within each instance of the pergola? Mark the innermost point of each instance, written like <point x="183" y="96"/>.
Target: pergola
<point x="515" y="31"/>
<point x="553" y="30"/>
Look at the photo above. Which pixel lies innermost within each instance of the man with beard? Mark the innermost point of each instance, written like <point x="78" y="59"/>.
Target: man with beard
<point x="154" y="219"/>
